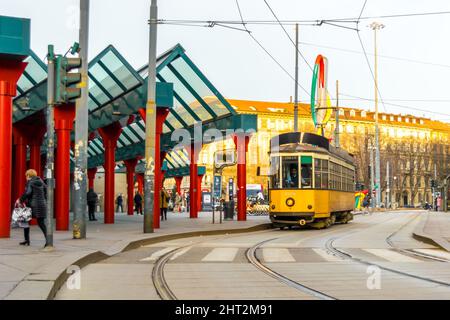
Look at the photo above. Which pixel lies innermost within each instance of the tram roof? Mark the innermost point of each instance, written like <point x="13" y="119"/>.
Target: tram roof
<point x="307" y="142"/>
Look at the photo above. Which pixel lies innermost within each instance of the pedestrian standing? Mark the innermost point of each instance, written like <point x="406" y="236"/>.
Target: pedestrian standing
<point x="438" y="203"/>
<point x="163" y="203"/>
<point x="138" y="202"/>
<point x="187" y="201"/>
<point x="92" y="200"/>
<point x="119" y="202"/>
<point x="178" y="202"/>
<point x="35" y="197"/>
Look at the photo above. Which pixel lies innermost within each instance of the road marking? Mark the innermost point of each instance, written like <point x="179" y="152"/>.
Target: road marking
<point x="180" y="253"/>
<point x="327" y="256"/>
<point x="438" y="253"/>
<point x="391" y="256"/>
<point x="158" y="254"/>
<point x="277" y="255"/>
<point x="221" y="254"/>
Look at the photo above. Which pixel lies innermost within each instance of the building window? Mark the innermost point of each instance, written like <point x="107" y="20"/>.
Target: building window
<point x="414" y="121"/>
<point x="391" y="118"/>
<point x="399" y="119"/>
<point x="341" y="112"/>
<point x="363" y="114"/>
<point x="383" y="117"/>
<point x="352" y="113"/>
<point x="421" y="121"/>
<point x="407" y="120"/>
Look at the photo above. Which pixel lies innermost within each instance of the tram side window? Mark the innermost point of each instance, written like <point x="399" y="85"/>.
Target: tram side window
<point x="306" y="162"/>
<point x="321" y="173"/>
<point x="335" y="176"/>
<point x="290" y="172"/>
<point x="275" y="173"/>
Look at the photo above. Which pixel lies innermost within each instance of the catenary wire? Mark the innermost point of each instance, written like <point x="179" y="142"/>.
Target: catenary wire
<point x="266" y="51"/>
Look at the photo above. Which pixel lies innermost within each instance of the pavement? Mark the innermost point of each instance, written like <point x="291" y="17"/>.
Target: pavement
<point x="434" y="228"/>
<point x="32" y="273"/>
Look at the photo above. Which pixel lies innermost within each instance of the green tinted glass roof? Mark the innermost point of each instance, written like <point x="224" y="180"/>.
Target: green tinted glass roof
<point x="110" y="76"/>
<point x="35" y="72"/>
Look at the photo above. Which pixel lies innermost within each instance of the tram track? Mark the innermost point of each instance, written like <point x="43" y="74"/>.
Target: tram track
<point x="253" y="259"/>
<point x="164" y="291"/>
<point x="159" y="281"/>
<point x="329" y="245"/>
<point x="390" y="242"/>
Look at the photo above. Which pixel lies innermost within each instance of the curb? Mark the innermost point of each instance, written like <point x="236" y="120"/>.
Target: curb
<point x="100" y="255"/>
<point x="419" y="235"/>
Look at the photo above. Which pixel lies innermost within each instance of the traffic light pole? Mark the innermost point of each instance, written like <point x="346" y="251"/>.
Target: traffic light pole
<point x="81" y="130"/>
<point x="150" y="125"/>
<point x="50" y="180"/>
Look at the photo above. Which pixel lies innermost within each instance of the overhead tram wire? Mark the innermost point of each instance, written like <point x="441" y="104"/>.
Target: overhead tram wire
<point x="379" y="56"/>
<point x="287" y="34"/>
<point x="266" y="51"/>
<point x="310" y="22"/>
<point x="397" y="105"/>
<point x="367" y="58"/>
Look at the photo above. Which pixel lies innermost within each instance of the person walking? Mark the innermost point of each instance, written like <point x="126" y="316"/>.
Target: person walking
<point x="35" y="197"/>
<point x="366" y="204"/>
<point x="138" y="202"/>
<point x="92" y="199"/>
<point x="163" y="203"/>
<point x="119" y="202"/>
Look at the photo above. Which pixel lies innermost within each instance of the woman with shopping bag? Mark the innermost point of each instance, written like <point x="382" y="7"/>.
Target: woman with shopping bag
<point x="35" y="197"/>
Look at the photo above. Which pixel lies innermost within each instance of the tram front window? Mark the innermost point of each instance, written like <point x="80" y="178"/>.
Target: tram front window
<point x="290" y="172"/>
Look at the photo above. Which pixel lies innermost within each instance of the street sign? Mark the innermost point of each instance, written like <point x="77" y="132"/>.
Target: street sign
<point x="217" y="186"/>
<point x="230" y="189"/>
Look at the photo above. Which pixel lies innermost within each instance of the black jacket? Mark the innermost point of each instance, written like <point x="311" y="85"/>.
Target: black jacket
<point x="138" y="198"/>
<point x="92" y="197"/>
<point x="35" y="197"/>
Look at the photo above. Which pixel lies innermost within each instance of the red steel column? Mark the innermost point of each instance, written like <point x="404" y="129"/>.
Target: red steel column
<point x="199" y="188"/>
<point x="10" y="72"/>
<point x="161" y="114"/>
<point x="193" y="184"/>
<point x="241" y="143"/>
<point x="110" y="134"/>
<point x="64" y="117"/>
<point x="20" y="161"/>
<point x="178" y="181"/>
<point x="91" y="177"/>
<point x="130" y="164"/>
<point x="35" y="141"/>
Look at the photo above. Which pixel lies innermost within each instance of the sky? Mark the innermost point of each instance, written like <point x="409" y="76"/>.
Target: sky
<point x="413" y="64"/>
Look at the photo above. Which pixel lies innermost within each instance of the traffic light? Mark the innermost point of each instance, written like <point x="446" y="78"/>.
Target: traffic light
<point x="433" y="183"/>
<point x="65" y="81"/>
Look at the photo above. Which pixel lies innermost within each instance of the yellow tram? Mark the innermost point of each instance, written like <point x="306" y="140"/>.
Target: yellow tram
<point x="311" y="182"/>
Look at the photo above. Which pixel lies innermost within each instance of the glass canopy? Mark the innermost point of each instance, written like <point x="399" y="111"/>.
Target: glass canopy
<point x="195" y="100"/>
<point x="35" y="72"/>
<point x="110" y="76"/>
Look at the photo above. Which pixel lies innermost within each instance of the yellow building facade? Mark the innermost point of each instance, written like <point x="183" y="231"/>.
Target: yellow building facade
<point x="415" y="147"/>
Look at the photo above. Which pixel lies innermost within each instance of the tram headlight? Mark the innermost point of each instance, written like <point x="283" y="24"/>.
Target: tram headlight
<point x="290" y="202"/>
<point x="273" y="207"/>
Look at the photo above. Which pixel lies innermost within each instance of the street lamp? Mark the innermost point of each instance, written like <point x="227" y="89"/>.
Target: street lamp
<point x="376" y="26"/>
